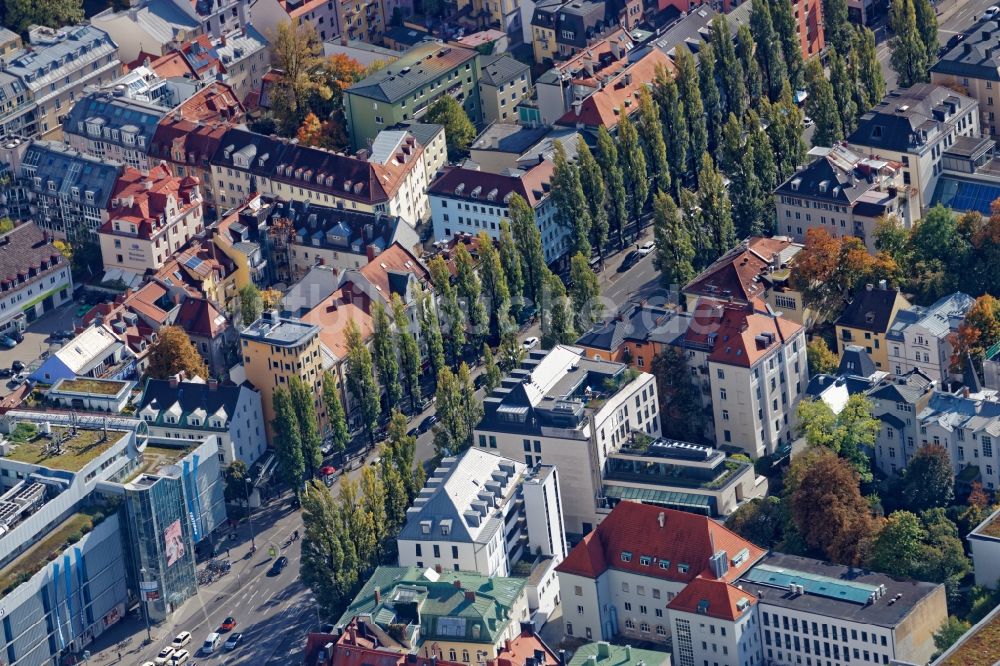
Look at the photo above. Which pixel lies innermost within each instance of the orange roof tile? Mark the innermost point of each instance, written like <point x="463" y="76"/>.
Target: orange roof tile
<point x="736" y="273"/>
<point x="714" y="598"/>
<point x="332" y="316"/>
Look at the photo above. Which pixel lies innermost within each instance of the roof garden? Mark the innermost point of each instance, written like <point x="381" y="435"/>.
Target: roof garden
<point x="63" y="448"/>
<point x="47" y="549"/>
<point x="977" y="647"/>
<point x="155" y="457"/>
<point x="90" y="386"/>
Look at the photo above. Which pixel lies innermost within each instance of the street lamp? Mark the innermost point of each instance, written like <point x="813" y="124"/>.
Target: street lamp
<point x="145" y="605"/>
<point x="246" y="489"/>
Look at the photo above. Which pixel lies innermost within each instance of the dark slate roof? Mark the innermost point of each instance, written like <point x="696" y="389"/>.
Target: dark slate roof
<point x="898" y="122"/>
<point x="975" y="57"/>
<point x="498" y="70"/>
<point x="26" y="251"/>
<point x="116" y="113"/>
<point x="416" y="68"/>
<point x="424" y="133"/>
<point x="871" y="310"/>
<point x="856" y="361"/>
<point x="69" y="168"/>
<point x="837" y="175"/>
<point x="191" y="395"/>
<point x="907" y="387"/>
<point x="583" y="18"/>
<point x="638" y="323"/>
<point x="508" y="138"/>
<point x="892" y="420"/>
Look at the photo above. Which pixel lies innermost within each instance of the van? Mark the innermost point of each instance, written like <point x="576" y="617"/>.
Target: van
<point x="179" y="658"/>
<point x="211" y="643"/>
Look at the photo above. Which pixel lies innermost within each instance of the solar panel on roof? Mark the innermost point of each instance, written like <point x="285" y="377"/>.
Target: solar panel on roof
<point x="193" y="262"/>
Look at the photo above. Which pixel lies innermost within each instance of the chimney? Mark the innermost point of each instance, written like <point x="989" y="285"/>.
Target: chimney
<point x="470" y="596"/>
<point x="173" y="381"/>
<point x="353" y="632"/>
<point x="616" y="49"/>
<point x="213" y="384"/>
<point x="661" y="518"/>
<point x="869" y="286"/>
<point x="882" y="285"/>
<point x="378" y="596"/>
<point x="437" y="568"/>
<point x="457" y="583"/>
<point x="965" y="391"/>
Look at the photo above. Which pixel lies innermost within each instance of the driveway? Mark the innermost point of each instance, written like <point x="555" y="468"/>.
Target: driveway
<point x="36" y="339"/>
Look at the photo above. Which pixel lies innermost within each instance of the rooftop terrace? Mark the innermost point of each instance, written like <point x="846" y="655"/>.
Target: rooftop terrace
<point x="91" y="386"/>
<point x="65" y="448"/>
<point x="156" y="457"/>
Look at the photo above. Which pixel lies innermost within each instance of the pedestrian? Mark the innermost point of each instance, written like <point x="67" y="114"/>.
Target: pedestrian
<point x="227" y="552"/>
<point x="119" y="655"/>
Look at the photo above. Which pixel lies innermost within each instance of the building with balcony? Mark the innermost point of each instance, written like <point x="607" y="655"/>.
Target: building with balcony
<point x="503" y="83"/>
<point x="920" y="337"/>
<point x="187" y="146"/>
<point x="561" y="408"/>
<point x="113" y="128"/>
<point x="43" y="81"/>
<point x="454" y="615"/>
<point x="866" y="320"/>
<point x="34" y="277"/>
<point x="405" y="89"/>
<point x="275" y="349"/>
<point x="151" y="217"/>
<point x="845" y="194"/>
<point x="469" y="201"/>
<point x="486" y="513"/>
<point x="914" y="127"/>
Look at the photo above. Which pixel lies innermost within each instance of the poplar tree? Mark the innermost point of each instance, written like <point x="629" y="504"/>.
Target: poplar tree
<point x="822" y="106"/>
<point x="571" y="209"/>
<point x="585" y="292"/>
<point x="494" y="284"/>
<point x="409" y="351"/>
<point x="870" y="76"/>
<point x="614" y="180"/>
<point x="752" y="75"/>
<point x="556" y="317"/>
<point x="384" y="355"/>
<point x="674" y="122"/>
<point x="697" y="229"/>
<point x="785" y="127"/>
<point x="845" y="92"/>
<point x="510" y="259"/>
<point x="694" y="109"/>
<point x="836" y="26"/>
<point x="716" y="211"/>
<point x="470" y="289"/>
<point x="361" y="379"/>
<point x="710" y="97"/>
<point x="303" y="402"/>
<point x="651" y="139"/>
<point x="674" y="251"/>
<point x="451" y="309"/>
<point x="592" y="181"/>
<point x="633" y="166"/>
<point x="491" y="371"/>
<point x="430" y="331"/>
<point x="927" y="27"/>
<point x="729" y="71"/>
<point x="287" y="441"/>
<point x="528" y="240"/>
<point x="785" y="27"/>
<point x="768" y="51"/>
<point x="909" y="58"/>
<point x="339" y="436"/>
<point x="731" y="146"/>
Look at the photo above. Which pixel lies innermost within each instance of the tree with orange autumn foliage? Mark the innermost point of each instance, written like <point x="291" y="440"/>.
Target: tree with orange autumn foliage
<point x="829" y="269"/>
<point x="979" y="331"/>
<point x="318" y="134"/>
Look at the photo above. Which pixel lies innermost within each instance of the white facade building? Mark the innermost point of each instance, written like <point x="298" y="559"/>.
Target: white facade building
<point x="919" y="337"/>
<point x="557" y="409"/>
<point x="486" y="513"/>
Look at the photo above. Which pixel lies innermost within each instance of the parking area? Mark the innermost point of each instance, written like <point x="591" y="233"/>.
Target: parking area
<point x="36" y="339"/>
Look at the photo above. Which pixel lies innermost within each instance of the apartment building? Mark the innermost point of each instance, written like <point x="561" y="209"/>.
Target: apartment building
<point x="405" y="89"/>
<point x="973" y="66"/>
<point x="469" y="201"/>
<point x="151" y="217"/>
<point x="896" y="402"/>
<point x="64" y="191"/>
<point x="561" y="28"/>
<point x="157" y="26"/>
<point x="866" y="320"/>
<point x="44" y="80"/>
<point x="503" y="82"/>
<point x="855" y="374"/>
<point x="635" y="335"/>
<point x="186" y="147"/>
<point x="757" y="268"/>
<point x="247" y="163"/>
<point x="503" y="146"/>
<point x="275" y="349"/>
<point x="915" y="126"/>
<point x="113" y="127"/>
<point x="485" y="513"/>
<point x="967" y="425"/>
<point x="920" y="337"/>
<point x="561" y="408"/>
<point x="752" y="362"/>
<point x="845" y="194"/>
<point x="36" y="277"/>
<point x="176" y="409"/>
<point x="659" y="576"/>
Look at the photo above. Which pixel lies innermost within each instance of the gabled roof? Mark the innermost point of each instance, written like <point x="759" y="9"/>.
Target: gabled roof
<point x="639" y="323"/>
<point x="713" y="598"/>
<point x="500" y="69"/>
<point x="390" y="272"/>
<point x="872" y="309"/>
<point x="843" y="176"/>
<point x="115" y="113"/>
<point x="216" y="101"/>
<point x="421" y="65"/>
<point x="904" y="117"/>
<point x="939" y="319"/>
<point x="158" y="395"/>
<point x="737" y="274"/>
<point x="494" y="189"/>
<point x="26" y="254"/>
<point x="977" y="56"/>
<point x="738" y="334"/>
<point x="197" y="316"/>
<point x="633" y="531"/>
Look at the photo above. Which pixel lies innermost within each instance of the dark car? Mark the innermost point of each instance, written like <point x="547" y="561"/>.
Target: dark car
<point x="6" y="373"/>
<point x="17" y="366"/>
<point x="58" y="336"/>
<point x="233" y="641"/>
<point x="631" y="259"/>
<point x="278" y="566"/>
<point x="414" y="432"/>
<point x="428" y="422"/>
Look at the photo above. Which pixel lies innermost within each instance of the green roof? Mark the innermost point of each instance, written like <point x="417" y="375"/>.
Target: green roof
<point x="443" y="603"/>
<point x="617" y="655"/>
<point x="668" y="498"/>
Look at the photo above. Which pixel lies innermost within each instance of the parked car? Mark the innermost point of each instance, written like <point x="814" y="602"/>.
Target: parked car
<point x="414" y="432"/>
<point x="17" y="380"/>
<point x="991" y="11"/>
<point x="428" y="422"/>
<point x="17" y="366"/>
<point x="807" y="121"/>
<point x="6" y="373"/>
<point x="164" y="656"/>
<point x="181" y="640"/>
<point x="179" y="658"/>
<point x="212" y="643"/>
<point x="278" y="566"/>
<point x="646" y="248"/>
<point x="228" y="624"/>
<point x="59" y="336"/>
<point x="233" y="641"/>
<point x="631" y="259"/>
<point x="530" y="343"/>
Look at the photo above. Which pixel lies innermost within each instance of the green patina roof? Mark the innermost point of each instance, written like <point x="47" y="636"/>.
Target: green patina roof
<point x="444" y="609"/>
<point x="617" y="655"/>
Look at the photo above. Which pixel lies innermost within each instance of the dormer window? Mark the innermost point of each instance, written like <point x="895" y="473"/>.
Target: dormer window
<point x="645" y="560"/>
<point x="626" y="556"/>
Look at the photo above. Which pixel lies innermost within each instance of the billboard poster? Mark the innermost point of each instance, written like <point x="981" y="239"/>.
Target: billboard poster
<point x="174" y="542"/>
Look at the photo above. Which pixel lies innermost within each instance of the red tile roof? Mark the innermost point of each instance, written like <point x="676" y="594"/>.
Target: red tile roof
<point x="714" y="598"/>
<point x="737" y="272"/>
<point x="215" y="101"/>
<point x="394" y="258"/>
<point x="516" y="651"/>
<point x="684" y="538"/>
<point x="143" y="199"/>
<point x="531" y="185"/>
<point x="606" y="105"/>
<point x="169" y="65"/>
<point x="199" y="317"/>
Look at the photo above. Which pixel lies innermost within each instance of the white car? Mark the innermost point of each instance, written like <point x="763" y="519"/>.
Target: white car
<point x="181" y="640"/>
<point x="530" y="343"/>
<point x="164" y="656"/>
<point x="179" y="658"/>
<point x="646" y="248"/>
<point x="991" y="11"/>
<point x="807" y="121"/>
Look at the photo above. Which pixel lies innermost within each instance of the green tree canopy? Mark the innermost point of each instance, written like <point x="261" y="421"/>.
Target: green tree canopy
<point x="458" y="129"/>
<point x="251" y="304"/>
